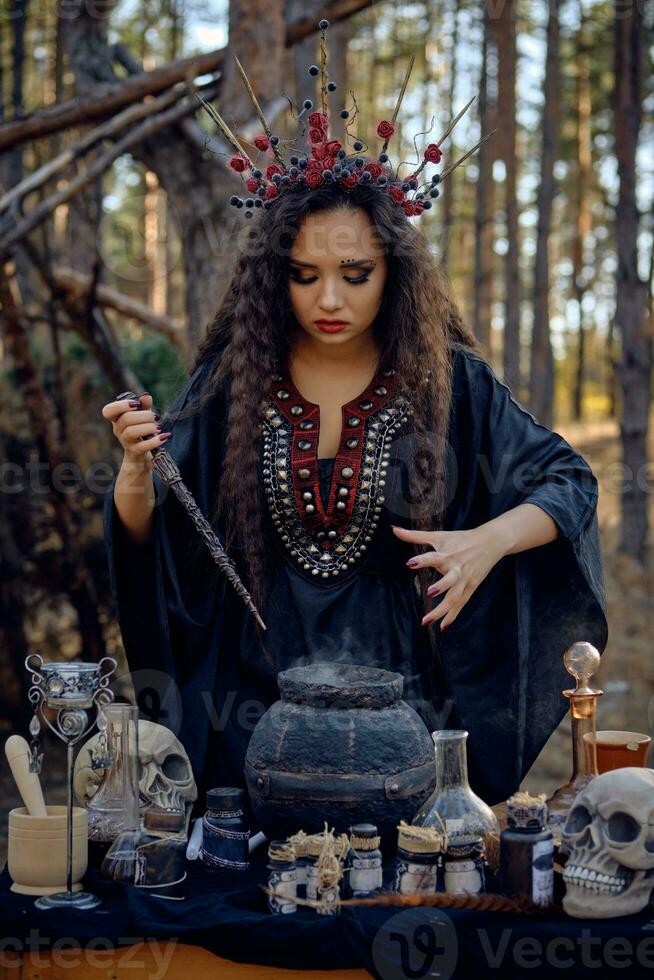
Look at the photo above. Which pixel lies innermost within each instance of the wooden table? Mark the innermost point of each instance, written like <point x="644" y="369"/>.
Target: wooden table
<point x="158" y="960"/>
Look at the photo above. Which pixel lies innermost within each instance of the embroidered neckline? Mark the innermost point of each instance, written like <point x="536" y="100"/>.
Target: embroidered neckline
<point x="304" y="416"/>
<point x="329" y="541"/>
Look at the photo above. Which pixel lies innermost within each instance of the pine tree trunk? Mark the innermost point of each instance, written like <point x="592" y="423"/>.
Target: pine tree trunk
<point x="582" y="206"/>
<point x="632" y="294"/>
<point x="483" y="284"/>
<point x="506" y="143"/>
<point x="541" y="382"/>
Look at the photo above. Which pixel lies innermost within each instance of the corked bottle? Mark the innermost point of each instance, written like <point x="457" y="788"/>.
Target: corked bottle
<point x="419" y="851"/>
<point x="527" y="850"/>
<point x="225" y="831"/>
<point x="364" y="861"/>
<point x="313" y="848"/>
<point x="282" y="877"/>
<point x="464" y="867"/>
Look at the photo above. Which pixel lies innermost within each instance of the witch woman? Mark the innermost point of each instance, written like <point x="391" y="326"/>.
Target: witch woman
<point x="384" y="497"/>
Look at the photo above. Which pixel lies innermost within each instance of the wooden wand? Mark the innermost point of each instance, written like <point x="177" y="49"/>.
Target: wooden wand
<point x="168" y="473"/>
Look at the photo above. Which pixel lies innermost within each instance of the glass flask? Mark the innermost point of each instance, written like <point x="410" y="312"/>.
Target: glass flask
<point x="115" y="806"/>
<point x="453" y="806"/>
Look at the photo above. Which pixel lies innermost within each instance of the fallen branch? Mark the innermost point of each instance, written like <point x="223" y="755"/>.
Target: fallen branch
<point x="76" y="286"/>
<point x="104" y="131"/>
<point x="108" y="99"/>
<point x="99" y="166"/>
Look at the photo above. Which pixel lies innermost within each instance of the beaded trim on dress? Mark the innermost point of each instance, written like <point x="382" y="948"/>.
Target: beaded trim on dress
<point x="328" y="543"/>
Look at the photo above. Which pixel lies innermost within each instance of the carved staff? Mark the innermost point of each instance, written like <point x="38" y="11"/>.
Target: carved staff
<point x="168" y="473"/>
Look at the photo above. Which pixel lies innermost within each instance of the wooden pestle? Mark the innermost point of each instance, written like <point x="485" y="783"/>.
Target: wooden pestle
<point x="28" y="783"/>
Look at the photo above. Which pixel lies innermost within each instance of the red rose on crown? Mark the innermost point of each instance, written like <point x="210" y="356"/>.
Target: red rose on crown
<point x="316" y="135"/>
<point x="313" y="177"/>
<point x="274" y="168"/>
<point x="433" y="153"/>
<point x="252" y="184"/>
<point x="397" y="194"/>
<point x="261" y="142"/>
<point x="271" y="191"/>
<point x="333" y="146"/>
<point x="385" y="129"/>
<point x="413" y="208"/>
<point x="318" y="120"/>
<point x="238" y="163"/>
<point x="352" y="180"/>
<point x="374" y="169"/>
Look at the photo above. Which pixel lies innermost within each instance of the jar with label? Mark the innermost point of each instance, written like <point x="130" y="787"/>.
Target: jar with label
<point x="419" y="852"/>
<point x="364" y="861"/>
<point x="463" y="867"/>
<point x="313" y="846"/>
<point x="282" y="877"/>
<point x="527" y="850"/>
<point x="225" y="831"/>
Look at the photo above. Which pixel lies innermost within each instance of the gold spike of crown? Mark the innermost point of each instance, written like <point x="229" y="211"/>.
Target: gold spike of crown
<point x="327" y="161"/>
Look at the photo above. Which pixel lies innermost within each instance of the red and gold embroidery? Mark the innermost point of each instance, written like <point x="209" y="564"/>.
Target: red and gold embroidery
<point x="328" y="542"/>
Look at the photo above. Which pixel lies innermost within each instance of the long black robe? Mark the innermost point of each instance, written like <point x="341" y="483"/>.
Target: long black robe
<point x="191" y="645"/>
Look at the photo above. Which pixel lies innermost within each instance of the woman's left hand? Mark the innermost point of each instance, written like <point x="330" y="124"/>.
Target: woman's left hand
<point x="464" y="559"/>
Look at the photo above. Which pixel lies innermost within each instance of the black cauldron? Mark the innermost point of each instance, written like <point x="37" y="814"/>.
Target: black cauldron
<point x="339" y="746"/>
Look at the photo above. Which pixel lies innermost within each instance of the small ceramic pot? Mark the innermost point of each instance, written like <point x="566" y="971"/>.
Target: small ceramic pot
<point x="36" y="854"/>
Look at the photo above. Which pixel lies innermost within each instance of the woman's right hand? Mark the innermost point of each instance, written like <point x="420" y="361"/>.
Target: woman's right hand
<point x="131" y="419"/>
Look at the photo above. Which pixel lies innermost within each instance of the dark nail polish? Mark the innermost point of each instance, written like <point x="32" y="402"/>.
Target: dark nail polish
<point x="158" y="428"/>
<point x="157" y="417"/>
<point x="412" y="562"/>
<point x="135" y="403"/>
<point x="166" y="435"/>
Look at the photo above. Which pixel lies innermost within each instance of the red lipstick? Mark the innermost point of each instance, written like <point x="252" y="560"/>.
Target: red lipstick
<point x="331" y="326"/>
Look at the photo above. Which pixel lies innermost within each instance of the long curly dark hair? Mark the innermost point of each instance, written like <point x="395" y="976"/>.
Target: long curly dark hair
<point x="417" y="329"/>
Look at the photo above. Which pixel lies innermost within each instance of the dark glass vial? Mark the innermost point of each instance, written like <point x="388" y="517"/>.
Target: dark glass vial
<point x="527" y="851"/>
<point x="225" y="831"/>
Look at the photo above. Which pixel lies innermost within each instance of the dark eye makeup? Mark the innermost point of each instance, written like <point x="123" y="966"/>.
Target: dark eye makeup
<point x="296" y="277"/>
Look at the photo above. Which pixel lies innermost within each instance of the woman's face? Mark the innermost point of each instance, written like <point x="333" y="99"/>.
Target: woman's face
<point x="337" y="273"/>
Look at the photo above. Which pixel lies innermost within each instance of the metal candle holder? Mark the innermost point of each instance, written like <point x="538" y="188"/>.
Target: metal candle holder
<point x="70" y="688"/>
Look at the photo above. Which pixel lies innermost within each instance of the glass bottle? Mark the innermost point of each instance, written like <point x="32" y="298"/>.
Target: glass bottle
<point x="282" y="878"/>
<point x="581" y="660"/>
<point x="225" y="831"/>
<point x="453" y="806"/>
<point x="364" y="861"/>
<point x="464" y="867"/>
<point x="114" y="808"/>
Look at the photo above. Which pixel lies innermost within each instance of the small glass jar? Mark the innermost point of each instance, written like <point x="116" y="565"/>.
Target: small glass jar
<point x="282" y="878"/>
<point x="364" y="861"/>
<point x="225" y="831"/>
<point x="464" y="867"/>
<point x="417" y="863"/>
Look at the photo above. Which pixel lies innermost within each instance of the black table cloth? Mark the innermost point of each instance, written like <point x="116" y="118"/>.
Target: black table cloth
<point x="228" y="916"/>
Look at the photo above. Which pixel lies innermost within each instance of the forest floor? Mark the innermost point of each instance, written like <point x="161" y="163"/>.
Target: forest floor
<point x="626" y="673"/>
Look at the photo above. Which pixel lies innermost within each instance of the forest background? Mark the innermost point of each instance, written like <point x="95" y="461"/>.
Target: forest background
<point x="117" y="238"/>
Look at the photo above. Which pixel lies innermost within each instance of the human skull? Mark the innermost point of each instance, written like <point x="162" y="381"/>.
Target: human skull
<point x="166" y="774"/>
<point x="609" y="835"/>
